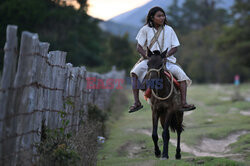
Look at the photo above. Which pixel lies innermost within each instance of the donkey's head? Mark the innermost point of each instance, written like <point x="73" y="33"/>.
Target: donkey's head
<point x="155" y="62"/>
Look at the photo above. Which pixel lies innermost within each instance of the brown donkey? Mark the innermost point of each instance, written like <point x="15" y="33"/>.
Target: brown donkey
<point x="165" y="101"/>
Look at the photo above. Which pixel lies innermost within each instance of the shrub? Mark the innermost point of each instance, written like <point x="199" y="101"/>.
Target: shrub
<point x="55" y="147"/>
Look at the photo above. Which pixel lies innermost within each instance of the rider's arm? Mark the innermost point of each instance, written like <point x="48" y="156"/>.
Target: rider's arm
<point x="141" y="51"/>
<point x="171" y="52"/>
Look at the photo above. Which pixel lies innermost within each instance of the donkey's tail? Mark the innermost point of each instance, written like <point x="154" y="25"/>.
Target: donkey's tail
<point x="176" y="125"/>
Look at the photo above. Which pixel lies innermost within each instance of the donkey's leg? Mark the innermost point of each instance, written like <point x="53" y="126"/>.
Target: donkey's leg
<point x="155" y="118"/>
<point x="178" y="148"/>
<point x="179" y="118"/>
<point x="166" y="136"/>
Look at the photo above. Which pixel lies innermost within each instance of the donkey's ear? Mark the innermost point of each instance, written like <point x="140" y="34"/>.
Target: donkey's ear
<point x="149" y="52"/>
<point x="163" y="55"/>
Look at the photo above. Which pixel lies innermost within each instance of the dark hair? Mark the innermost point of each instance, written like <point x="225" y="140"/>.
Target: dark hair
<point x="152" y="13"/>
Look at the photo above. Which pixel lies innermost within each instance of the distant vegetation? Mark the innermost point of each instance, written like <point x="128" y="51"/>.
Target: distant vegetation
<point x="67" y="29"/>
<point x="215" y="45"/>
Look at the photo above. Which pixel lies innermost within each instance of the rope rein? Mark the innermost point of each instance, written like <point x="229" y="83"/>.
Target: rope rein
<point x="158" y="73"/>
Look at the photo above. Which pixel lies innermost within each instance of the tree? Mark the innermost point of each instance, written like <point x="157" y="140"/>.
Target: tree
<point x="198" y="24"/>
<point x="120" y="52"/>
<point x="62" y="26"/>
<point x="27" y="14"/>
<point x="174" y="16"/>
<point x="195" y="14"/>
<point x="198" y="57"/>
<point x="83" y="5"/>
<point x="234" y="44"/>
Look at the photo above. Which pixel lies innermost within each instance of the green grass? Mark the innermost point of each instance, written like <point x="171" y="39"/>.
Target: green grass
<point x="213" y="118"/>
<point x="242" y="145"/>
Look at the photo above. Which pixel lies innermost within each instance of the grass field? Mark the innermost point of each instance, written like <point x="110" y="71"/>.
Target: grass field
<point x="216" y="133"/>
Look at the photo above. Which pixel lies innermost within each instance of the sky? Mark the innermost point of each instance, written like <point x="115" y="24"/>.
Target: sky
<point x="106" y="9"/>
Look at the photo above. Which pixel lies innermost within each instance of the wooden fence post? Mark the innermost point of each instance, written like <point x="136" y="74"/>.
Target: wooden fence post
<point x="9" y="71"/>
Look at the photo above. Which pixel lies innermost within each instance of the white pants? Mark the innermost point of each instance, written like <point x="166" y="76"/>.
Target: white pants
<point x="141" y="69"/>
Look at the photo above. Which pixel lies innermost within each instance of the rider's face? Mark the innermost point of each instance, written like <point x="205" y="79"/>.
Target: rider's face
<point x="159" y="18"/>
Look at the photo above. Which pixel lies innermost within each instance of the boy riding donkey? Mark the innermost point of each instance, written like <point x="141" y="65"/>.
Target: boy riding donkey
<point x="157" y="35"/>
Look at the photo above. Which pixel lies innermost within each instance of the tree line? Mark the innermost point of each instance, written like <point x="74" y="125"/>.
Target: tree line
<point x="215" y="42"/>
<point x="70" y="30"/>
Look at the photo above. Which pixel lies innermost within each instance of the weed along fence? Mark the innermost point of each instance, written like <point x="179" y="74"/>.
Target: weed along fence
<point x="35" y="86"/>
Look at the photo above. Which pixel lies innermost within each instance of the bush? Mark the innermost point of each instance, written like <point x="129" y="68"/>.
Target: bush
<point x="55" y="147"/>
<point x="85" y="142"/>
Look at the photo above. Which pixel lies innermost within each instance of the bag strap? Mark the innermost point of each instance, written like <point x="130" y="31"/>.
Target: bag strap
<point x="162" y="42"/>
<point x="154" y="39"/>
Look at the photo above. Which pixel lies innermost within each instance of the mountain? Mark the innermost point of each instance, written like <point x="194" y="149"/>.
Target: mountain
<point x="119" y="29"/>
<point x="137" y="16"/>
<point x="132" y="20"/>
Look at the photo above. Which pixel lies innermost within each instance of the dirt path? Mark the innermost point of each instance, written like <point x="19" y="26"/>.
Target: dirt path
<point x="207" y="147"/>
<point x="245" y="113"/>
<point x="221" y="145"/>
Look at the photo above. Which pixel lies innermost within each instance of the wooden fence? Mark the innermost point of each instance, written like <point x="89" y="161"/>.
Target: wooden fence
<point x="35" y="85"/>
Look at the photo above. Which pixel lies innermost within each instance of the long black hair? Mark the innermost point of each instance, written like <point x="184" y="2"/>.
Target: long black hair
<point x="151" y="15"/>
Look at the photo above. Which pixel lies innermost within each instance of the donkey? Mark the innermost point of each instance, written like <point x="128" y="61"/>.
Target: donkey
<point x="165" y="103"/>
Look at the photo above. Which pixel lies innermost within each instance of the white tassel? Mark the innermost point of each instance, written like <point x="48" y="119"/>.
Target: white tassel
<point x="149" y="102"/>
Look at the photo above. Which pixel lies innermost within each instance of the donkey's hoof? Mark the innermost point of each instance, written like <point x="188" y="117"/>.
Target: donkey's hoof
<point x="158" y="153"/>
<point x="164" y="157"/>
<point x="178" y="156"/>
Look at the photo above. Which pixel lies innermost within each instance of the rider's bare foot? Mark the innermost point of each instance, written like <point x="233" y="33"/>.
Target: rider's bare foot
<point x="137" y="106"/>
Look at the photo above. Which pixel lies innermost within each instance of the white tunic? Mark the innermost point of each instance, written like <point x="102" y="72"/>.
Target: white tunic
<point x="144" y="37"/>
